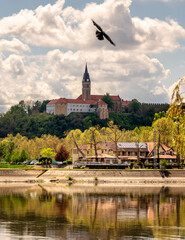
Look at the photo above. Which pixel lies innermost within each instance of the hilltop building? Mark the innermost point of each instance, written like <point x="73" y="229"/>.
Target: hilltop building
<point x="85" y="103"/>
<point x="86" y="94"/>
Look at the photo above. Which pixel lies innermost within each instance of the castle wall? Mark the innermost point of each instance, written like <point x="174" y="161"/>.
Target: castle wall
<point x="61" y="108"/>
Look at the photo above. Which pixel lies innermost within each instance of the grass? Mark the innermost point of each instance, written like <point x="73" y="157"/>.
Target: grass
<point x="10" y="166"/>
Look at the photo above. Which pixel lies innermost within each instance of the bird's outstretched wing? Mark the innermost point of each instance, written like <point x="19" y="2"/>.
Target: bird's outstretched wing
<point x="97" y="26"/>
<point x="108" y="38"/>
<point x="100" y="35"/>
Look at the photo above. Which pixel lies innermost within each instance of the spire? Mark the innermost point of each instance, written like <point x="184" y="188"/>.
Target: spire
<point x="86" y="77"/>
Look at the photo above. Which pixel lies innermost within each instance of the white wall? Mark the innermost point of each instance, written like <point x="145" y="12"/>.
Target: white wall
<point x="76" y="107"/>
<point x="50" y="108"/>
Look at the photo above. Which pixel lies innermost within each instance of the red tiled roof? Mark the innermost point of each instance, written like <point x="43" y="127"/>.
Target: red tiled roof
<point x="77" y="101"/>
<point x="125" y="103"/>
<point x="97" y="97"/>
<point x="101" y="102"/>
<point x="53" y="101"/>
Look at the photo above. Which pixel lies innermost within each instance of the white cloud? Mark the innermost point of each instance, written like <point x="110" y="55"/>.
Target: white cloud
<point x="127" y="69"/>
<point x="14" y="45"/>
<point x="53" y="26"/>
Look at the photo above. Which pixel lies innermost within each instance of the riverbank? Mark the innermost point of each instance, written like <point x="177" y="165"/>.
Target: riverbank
<point x="97" y="176"/>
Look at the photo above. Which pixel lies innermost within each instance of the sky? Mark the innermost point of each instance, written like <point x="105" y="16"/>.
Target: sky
<point x="45" y="45"/>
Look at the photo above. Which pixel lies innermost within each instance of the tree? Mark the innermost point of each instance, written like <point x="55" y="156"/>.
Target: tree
<point x="95" y="136"/>
<point x="177" y="114"/>
<point x="48" y="152"/>
<point x="92" y="136"/>
<point x="159" y="115"/>
<point x="114" y="134"/>
<point x="108" y="100"/>
<point x="7" y="148"/>
<point x="62" y="154"/>
<point x="46" y="156"/>
<point x="23" y="156"/>
<point x="15" y="157"/>
<point x="164" y="128"/>
<point x="42" y="107"/>
<point x="134" y="106"/>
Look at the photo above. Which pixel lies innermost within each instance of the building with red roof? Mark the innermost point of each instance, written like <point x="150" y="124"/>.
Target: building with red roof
<point x="85" y="102"/>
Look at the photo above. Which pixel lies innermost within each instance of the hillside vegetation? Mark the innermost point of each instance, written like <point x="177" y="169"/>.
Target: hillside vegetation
<point x="33" y="122"/>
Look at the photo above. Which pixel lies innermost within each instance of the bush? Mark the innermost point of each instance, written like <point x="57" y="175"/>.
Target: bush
<point x="163" y="163"/>
<point x="69" y="162"/>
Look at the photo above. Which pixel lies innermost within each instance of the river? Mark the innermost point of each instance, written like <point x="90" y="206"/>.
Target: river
<point x="61" y="211"/>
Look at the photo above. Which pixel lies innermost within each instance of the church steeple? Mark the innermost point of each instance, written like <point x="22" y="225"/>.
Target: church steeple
<point x="86" y="77"/>
<point x="86" y="85"/>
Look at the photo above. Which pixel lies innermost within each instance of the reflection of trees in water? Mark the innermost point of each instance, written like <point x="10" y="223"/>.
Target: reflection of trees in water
<point x="105" y="215"/>
<point x="31" y="213"/>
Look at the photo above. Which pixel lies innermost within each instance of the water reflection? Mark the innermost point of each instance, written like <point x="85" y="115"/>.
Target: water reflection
<point x="88" y="212"/>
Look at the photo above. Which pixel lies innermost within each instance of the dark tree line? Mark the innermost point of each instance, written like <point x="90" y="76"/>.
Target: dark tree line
<point x="33" y="121"/>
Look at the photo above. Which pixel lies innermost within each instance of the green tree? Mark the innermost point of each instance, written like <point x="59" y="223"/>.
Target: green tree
<point x="134" y="106"/>
<point x="108" y="100"/>
<point x="23" y="156"/>
<point x="164" y="128"/>
<point x="42" y="107"/>
<point x="15" y="157"/>
<point x="48" y="152"/>
<point x="159" y="115"/>
<point x="7" y="148"/>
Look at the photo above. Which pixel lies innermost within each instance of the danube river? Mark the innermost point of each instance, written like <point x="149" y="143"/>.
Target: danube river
<point x="58" y="211"/>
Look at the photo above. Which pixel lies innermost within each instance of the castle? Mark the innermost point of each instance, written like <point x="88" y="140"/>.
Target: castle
<point x="84" y="103"/>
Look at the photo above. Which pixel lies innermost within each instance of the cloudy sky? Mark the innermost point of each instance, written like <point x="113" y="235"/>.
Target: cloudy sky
<point x="44" y="46"/>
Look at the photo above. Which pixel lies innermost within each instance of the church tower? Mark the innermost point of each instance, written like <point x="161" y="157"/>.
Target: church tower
<point x="86" y="85"/>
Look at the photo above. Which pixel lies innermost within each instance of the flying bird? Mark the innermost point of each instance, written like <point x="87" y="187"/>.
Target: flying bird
<point x="101" y="34"/>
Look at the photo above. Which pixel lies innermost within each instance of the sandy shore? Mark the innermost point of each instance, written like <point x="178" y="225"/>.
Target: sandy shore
<point x="130" y="177"/>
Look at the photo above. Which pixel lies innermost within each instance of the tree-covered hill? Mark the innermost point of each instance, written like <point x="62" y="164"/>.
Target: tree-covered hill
<point x="33" y="122"/>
